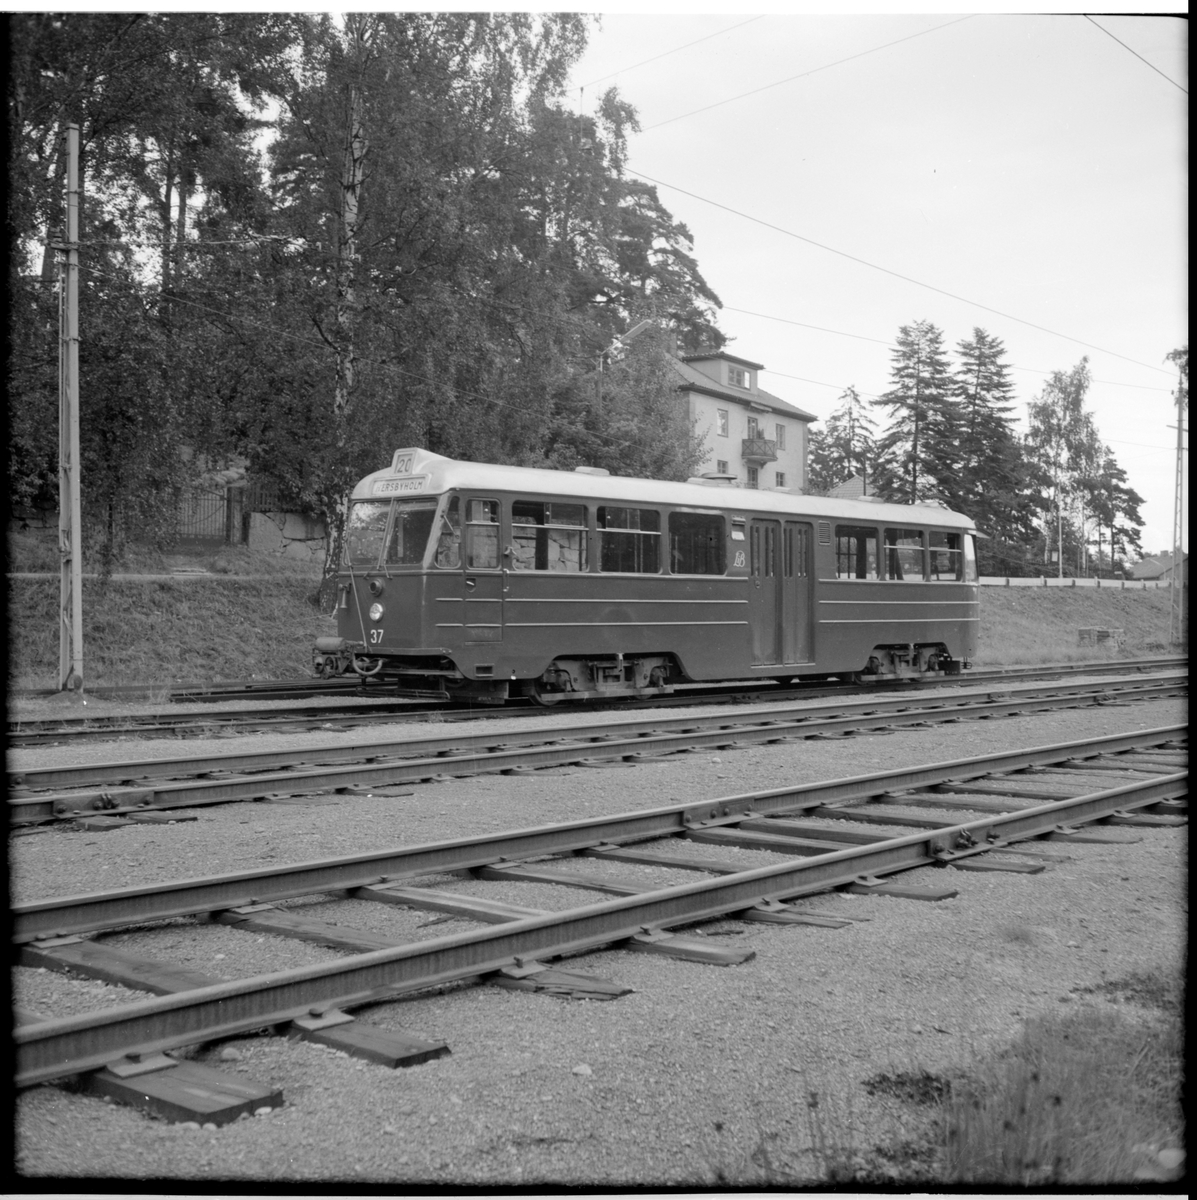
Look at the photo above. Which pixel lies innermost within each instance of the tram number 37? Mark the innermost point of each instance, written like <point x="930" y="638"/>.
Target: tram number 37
<point x="375" y="636"/>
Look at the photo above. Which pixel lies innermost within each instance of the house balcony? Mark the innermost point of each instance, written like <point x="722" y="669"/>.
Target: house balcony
<point x="759" y="450"/>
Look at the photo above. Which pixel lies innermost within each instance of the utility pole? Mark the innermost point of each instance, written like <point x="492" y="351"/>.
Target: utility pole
<point x="1176" y="614"/>
<point x="70" y="537"/>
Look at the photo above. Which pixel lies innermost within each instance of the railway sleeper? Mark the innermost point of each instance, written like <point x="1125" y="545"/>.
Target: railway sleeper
<point x="181" y="1090"/>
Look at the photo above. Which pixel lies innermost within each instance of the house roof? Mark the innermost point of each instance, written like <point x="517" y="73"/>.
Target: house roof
<point x="695" y="381"/>
<point x="724" y="355"/>
<point x="1154" y="567"/>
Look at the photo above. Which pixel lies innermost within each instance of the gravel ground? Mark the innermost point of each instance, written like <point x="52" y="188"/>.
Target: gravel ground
<point x="700" y="1076"/>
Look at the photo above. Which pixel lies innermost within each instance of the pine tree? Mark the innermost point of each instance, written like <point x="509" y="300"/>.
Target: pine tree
<point x="987" y="479"/>
<point x="917" y="450"/>
<point x="843" y="447"/>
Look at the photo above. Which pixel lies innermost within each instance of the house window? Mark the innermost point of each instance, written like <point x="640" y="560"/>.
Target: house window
<point x="721" y="467"/>
<point x="754" y="427"/>
<point x="781" y="437"/>
<point x="738" y="377"/>
<point x="721" y="422"/>
<point x="753" y="477"/>
<point x="779" y="479"/>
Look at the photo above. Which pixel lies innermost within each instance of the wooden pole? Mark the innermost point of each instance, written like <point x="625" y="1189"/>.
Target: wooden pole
<point x="70" y="538"/>
<point x="1176" y="630"/>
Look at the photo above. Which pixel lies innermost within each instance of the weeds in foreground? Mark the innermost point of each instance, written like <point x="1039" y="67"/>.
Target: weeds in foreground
<point x="1088" y="1097"/>
<point x="1080" y="1099"/>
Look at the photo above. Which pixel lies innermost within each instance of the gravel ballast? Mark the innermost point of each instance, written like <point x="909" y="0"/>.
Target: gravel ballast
<point x="683" y="1081"/>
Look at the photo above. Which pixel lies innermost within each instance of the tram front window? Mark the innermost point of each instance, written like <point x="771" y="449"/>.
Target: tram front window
<point x="364" y="532"/>
<point x="409" y="533"/>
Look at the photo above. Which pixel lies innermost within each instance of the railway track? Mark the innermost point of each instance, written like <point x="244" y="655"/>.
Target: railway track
<point x="148" y="788"/>
<point x="364" y="710"/>
<point x="828" y="836"/>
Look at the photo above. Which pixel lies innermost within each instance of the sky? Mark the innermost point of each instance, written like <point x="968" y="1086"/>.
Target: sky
<point x="1032" y="166"/>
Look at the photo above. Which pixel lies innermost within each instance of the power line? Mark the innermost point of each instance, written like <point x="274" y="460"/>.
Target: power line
<point x="1136" y="54"/>
<point x="667" y="53"/>
<point x="882" y="342"/>
<point x="895" y="274"/>
<point x="805" y="74"/>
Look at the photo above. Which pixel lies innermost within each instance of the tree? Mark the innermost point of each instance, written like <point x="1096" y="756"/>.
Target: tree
<point x="1180" y="357"/>
<point x="433" y="249"/>
<point x="1113" y="506"/>
<point x="988" y="481"/>
<point x="160" y="100"/>
<point x="1063" y="438"/>
<point x="843" y="447"/>
<point x="626" y="417"/>
<point x="916" y="452"/>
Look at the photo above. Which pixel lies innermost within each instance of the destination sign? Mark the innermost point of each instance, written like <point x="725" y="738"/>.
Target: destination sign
<point x="398" y="487"/>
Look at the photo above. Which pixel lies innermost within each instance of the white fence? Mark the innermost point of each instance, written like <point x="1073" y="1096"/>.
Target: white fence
<point x="1125" y="585"/>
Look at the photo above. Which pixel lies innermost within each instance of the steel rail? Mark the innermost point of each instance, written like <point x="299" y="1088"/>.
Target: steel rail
<point x="258" y="689"/>
<point x="456" y="743"/>
<point x="51" y="1049"/>
<point x="69" y="915"/>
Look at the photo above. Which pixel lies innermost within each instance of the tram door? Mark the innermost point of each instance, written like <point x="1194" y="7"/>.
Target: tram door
<point x="764" y="590"/>
<point x="779" y="591"/>
<point x="795" y="592"/>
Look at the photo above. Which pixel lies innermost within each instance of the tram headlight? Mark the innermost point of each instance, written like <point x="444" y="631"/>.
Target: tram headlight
<point x="375" y="612"/>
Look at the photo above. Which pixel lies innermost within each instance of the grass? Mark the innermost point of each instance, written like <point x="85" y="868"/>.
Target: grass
<point x="1085" y="1099"/>
<point x="1089" y="1097"/>
<point x="162" y="631"/>
<point x="1022" y="626"/>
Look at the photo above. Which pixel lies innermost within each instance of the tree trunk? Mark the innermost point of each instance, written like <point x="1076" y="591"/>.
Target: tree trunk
<point x="353" y="163"/>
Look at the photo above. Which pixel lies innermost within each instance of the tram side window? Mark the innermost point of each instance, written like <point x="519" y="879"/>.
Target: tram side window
<point x="970" y="559"/>
<point x="904" y="554"/>
<point x="409" y="532"/>
<point x="629" y="540"/>
<point x="697" y="544"/>
<point x="482" y="534"/>
<point x="364" y="532"/>
<point x="448" y="542"/>
<point x="947" y="555"/>
<point x="855" y="552"/>
<point x="548" y="537"/>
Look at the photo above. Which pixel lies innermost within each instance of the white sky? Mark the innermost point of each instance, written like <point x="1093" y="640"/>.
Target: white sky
<point x="1026" y="163"/>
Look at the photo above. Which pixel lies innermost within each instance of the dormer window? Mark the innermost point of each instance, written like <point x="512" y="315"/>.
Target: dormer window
<point x="738" y="377"/>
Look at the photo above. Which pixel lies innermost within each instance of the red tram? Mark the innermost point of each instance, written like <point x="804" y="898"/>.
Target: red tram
<point x="487" y="582"/>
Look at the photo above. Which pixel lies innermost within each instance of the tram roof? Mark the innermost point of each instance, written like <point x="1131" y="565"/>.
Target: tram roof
<point x="437" y="474"/>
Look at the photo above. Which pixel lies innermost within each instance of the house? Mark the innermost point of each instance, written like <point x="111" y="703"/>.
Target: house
<point x="1160" y="566"/>
<point x="855" y="488"/>
<point x="754" y="439"/>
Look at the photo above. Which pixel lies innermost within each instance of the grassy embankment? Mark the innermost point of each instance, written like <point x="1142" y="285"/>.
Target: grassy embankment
<point x="232" y="627"/>
<point x="253" y="617"/>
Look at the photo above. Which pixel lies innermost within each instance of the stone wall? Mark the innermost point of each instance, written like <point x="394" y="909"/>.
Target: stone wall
<point x="287" y="534"/>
